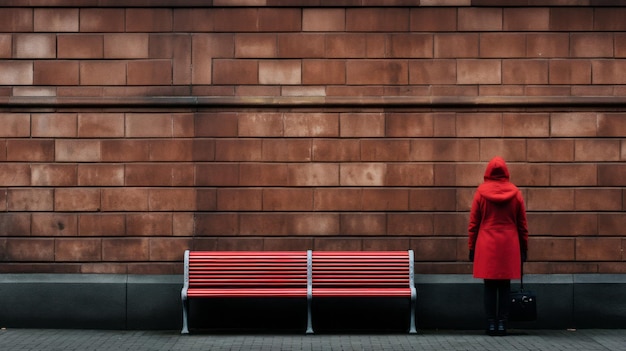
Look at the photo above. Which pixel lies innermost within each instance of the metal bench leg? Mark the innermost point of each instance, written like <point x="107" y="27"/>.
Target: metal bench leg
<point x="412" y="328"/>
<point x="185" y="325"/>
<point x="309" y="319"/>
<point x="309" y="291"/>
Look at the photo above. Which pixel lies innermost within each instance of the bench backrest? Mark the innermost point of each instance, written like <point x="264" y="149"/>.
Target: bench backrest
<point x="362" y="269"/>
<point x="246" y="269"/>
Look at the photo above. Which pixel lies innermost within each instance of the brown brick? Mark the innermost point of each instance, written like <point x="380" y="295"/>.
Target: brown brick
<point x="41" y="46"/>
<point x="480" y="19"/>
<point x="479" y="124"/>
<point x="102" y="20"/>
<point x="6" y="45"/>
<point x="149" y="20"/>
<point x="432" y="199"/>
<point x="54" y="125"/>
<point x="381" y="199"/>
<point x="362" y="124"/>
<point x="149" y="224"/>
<point x="526" y="124"/>
<point x="377" y="72"/>
<point x="75" y="46"/>
<point x="598" y="199"/>
<point x="288" y="199"/>
<point x="267" y="174"/>
<point x="14" y="224"/>
<point x="53" y="175"/>
<point x="502" y="45"/>
<point x="239" y="199"/>
<point x="125" y="249"/>
<point x="620" y="45"/>
<point x="76" y="199"/>
<point x="172" y="200"/>
<point x="287" y="244"/>
<point x="598" y="249"/>
<point x="222" y="174"/>
<point x="55" y="20"/>
<point x="29" y="250"/>
<point x="323" y="19"/>
<point x="102" y="73"/>
<point x="456" y="45"/>
<point x="288" y="150"/>
<point x="434" y="249"/>
<point x="541" y="199"/>
<point x="336" y="150"/>
<point x="405" y="174"/>
<point x="570" y="72"/>
<point x="337" y="244"/>
<point x="149" y="125"/>
<point x="608" y="72"/>
<point x="479" y="72"/>
<point x="207" y="47"/>
<point x="54" y="224"/>
<point x="362" y="174"/>
<point x="29" y="150"/>
<point x="182" y="224"/>
<point x="218" y="224"/>
<point x="290" y="20"/>
<point x="101" y="224"/>
<point x="410" y="45"/>
<point x="446" y="224"/>
<point x="432" y="72"/>
<point x="550" y="150"/>
<point x="509" y="149"/>
<point x="363" y="223"/>
<point x="260" y="124"/>
<point x="609" y="19"/>
<point x="337" y="199"/>
<point x="562" y="224"/>
<point x="77" y="150"/>
<point x="409" y="223"/>
<point x="597" y="150"/>
<point x="571" y="19"/>
<point x="125" y="150"/>
<point x="265" y="224"/>
<point x="55" y="73"/>
<point x="526" y="19"/>
<point x="385" y="150"/>
<point x="444" y="150"/>
<point x="525" y="72"/>
<point x="528" y="174"/>
<point x="313" y="174"/>
<point x="611" y="125"/>
<point x="574" y="124"/>
<point x="547" y="45"/>
<point x="124" y="199"/>
<point x="238" y="150"/>
<point x="311" y="124"/>
<point x="75" y="250"/>
<point x="235" y="72"/>
<point x="168" y="249"/>
<point x="552" y="249"/>
<point x="206" y="199"/>
<point x="433" y="19"/>
<point x="16" y="19"/>
<point x="171" y="150"/>
<point x="377" y="20"/>
<point x="149" y="72"/>
<point x="103" y="125"/>
<point x="611" y="224"/>
<point x="158" y="175"/>
<point x="611" y="174"/>
<point x="592" y="45"/>
<point x="410" y="125"/>
<point x="254" y="45"/>
<point x="16" y="73"/>
<point x="346" y="45"/>
<point x="323" y="72"/>
<point x="283" y="72"/>
<point x="193" y="19"/>
<point x="385" y="244"/>
<point x="13" y="174"/>
<point x="301" y="45"/>
<point x="575" y="175"/>
<point x="222" y="124"/>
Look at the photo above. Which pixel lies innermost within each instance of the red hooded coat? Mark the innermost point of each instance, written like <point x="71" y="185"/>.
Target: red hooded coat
<point x="497" y="228"/>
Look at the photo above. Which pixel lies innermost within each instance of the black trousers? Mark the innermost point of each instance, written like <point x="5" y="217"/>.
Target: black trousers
<point x="497" y="298"/>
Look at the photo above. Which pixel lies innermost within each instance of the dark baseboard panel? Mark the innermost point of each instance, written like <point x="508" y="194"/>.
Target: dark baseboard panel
<point x="102" y="301"/>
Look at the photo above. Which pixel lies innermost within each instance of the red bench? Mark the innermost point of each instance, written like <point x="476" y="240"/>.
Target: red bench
<point x="305" y="274"/>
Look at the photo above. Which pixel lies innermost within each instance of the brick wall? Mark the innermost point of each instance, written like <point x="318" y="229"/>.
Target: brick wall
<point x="137" y="129"/>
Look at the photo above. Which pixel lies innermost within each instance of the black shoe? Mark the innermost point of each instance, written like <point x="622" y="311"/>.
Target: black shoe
<point x="491" y="327"/>
<point x="501" y="331"/>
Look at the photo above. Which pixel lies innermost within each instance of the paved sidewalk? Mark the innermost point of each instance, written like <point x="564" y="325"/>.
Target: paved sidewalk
<point x="105" y="340"/>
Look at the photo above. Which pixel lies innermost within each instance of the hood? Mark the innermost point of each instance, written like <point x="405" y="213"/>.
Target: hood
<point x="496" y="187"/>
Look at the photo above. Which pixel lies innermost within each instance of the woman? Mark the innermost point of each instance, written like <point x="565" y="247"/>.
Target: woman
<point x="498" y="241"/>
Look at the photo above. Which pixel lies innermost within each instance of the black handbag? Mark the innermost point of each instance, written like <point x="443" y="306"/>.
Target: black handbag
<point x="523" y="306"/>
